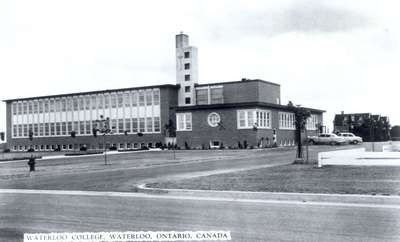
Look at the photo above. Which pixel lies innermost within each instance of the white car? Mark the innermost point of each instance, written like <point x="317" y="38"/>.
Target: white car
<point x="351" y="138"/>
<point x="331" y="139"/>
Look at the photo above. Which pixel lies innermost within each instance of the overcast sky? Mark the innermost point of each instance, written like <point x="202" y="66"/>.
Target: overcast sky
<point x="331" y="55"/>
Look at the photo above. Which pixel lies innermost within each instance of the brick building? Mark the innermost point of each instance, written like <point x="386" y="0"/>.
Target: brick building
<point x="230" y="114"/>
<point x="371" y="127"/>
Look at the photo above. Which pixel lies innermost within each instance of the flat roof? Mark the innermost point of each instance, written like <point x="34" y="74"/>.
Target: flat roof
<point x="241" y="105"/>
<point x="241" y="81"/>
<point x="92" y="92"/>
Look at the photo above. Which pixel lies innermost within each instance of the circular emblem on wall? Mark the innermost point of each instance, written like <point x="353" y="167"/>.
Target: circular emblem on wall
<point x="213" y="119"/>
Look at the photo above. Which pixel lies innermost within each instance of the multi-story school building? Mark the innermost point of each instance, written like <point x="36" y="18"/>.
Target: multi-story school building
<point x="243" y="113"/>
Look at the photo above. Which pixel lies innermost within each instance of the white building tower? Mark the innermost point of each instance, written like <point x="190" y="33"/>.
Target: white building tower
<point x="186" y="70"/>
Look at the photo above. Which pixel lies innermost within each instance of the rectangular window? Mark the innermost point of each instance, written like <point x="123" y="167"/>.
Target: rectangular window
<point x="113" y="125"/>
<point x="36" y="129"/>
<point x="187" y="100"/>
<point x="51" y="107"/>
<point x="25" y="111"/>
<point x="15" y="130"/>
<point x="187" y="66"/>
<point x="35" y="107"/>
<point x="40" y="106"/>
<point x="20" y="129"/>
<point x="128" y="125"/>
<point x="106" y="101"/>
<point x="69" y="103"/>
<point x="216" y="95"/>
<point x="87" y="102"/>
<point x="58" y="128"/>
<point x="75" y="100"/>
<point x="202" y="96"/>
<point x="286" y="120"/>
<point x="63" y="105"/>
<point x="94" y="104"/>
<point x="47" y="129"/>
<point x="141" y="98"/>
<point x="76" y="127"/>
<point x="184" y="121"/>
<point x="312" y="122"/>
<point x="82" y="127"/>
<point x="81" y="103"/>
<point x="64" y="128"/>
<point x="57" y="105"/>
<point x="134" y="125"/>
<point x="187" y="77"/>
<point x="88" y="129"/>
<point x="100" y="99"/>
<point x="149" y="125"/>
<point x="187" y="88"/>
<point x="253" y="118"/>
<point x="141" y="125"/>
<point x="14" y="108"/>
<point x="149" y="97"/>
<point x="127" y="100"/>
<point x="120" y="100"/>
<point x="121" y="126"/>
<point x="156" y="124"/>
<point x="156" y="96"/>
<point x="113" y="101"/>
<point x="69" y="127"/>
<point x="52" y="129"/>
<point x="187" y="54"/>
<point x="134" y="99"/>
<point x="46" y="106"/>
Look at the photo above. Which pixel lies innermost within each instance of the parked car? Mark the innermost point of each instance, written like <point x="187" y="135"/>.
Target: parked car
<point x="331" y="139"/>
<point x="351" y="138"/>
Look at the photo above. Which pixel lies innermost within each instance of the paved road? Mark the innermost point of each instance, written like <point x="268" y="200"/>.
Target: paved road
<point x="248" y="221"/>
<point x="255" y="221"/>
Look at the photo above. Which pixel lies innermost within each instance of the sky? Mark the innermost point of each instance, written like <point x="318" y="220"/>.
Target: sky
<point x="334" y="55"/>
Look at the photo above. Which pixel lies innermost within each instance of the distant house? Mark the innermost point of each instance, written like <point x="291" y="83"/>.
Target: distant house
<point x="371" y="127"/>
<point x="395" y="133"/>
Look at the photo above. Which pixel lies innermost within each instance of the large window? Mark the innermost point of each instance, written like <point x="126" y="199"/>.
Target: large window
<point x="253" y="118"/>
<point x="149" y="96"/>
<point x="216" y="95"/>
<point x="184" y="121"/>
<point x="286" y="120"/>
<point x="202" y="96"/>
<point x="312" y="122"/>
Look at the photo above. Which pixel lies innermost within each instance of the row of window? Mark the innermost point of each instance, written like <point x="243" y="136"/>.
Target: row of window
<point x="117" y="126"/>
<point x="65" y="147"/>
<point x="247" y="119"/>
<point x="107" y="100"/>
<point x="286" y="120"/>
<point x="209" y="95"/>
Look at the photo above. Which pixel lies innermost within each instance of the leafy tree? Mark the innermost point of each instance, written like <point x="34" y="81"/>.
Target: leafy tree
<point x="301" y="115"/>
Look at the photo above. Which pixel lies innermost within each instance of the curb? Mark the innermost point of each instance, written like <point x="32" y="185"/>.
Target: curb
<point x="277" y="196"/>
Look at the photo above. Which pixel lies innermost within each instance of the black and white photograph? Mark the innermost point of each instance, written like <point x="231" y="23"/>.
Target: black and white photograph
<point x="224" y="120"/>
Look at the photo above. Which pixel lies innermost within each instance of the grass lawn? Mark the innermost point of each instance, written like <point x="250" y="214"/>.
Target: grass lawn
<point x="301" y="178"/>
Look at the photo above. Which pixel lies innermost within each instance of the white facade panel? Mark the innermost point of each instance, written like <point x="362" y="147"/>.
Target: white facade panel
<point x="149" y="111"/>
<point x="81" y="115"/>
<point x="24" y="119"/>
<point x="52" y="117"/>
<point x="135" y="112"/>
<point x="113" y="113"/>
<point x="142" y="112"/>
<point x="127" y="113"/>
<point x="64" y="117"/>
<point x="156" y="111"/>
<point x="88" y="114"/>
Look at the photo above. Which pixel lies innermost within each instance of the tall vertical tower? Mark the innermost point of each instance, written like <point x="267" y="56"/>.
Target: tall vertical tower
<point x="186" y="70"/>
